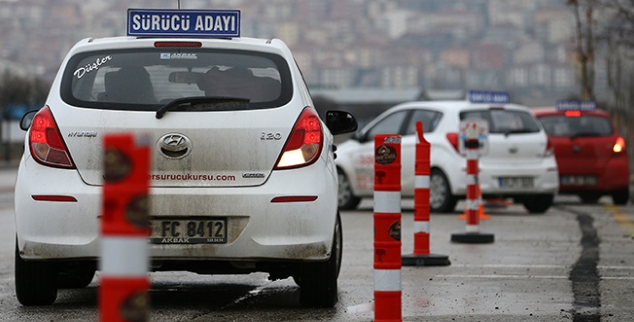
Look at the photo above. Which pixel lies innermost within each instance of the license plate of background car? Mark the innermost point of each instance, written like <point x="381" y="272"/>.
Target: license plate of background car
<point x="515" y="182"/>
<point x="578" y="180"/>
<point x="195" y="231"/>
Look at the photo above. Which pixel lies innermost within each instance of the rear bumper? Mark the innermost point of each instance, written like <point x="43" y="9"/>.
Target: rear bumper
<point x="258" y="230"/>
<point x="544" y="175"/>
<point x="614" y="176"/>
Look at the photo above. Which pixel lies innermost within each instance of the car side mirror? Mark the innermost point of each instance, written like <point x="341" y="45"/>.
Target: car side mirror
<point x="339" y="122"/>
<point x="27" y="118"/>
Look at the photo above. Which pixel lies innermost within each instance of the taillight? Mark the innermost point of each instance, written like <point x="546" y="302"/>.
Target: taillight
<point x="452" y="137"/>
<point x="619" y="145"/>
<point x="45" y="141"/>
<point x="304" y="143"/>
<point x="550" y="148"/>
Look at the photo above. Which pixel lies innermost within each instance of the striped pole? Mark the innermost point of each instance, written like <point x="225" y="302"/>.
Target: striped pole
<point x="421" y="255"/>
<point x="481" y="214"/>
<point x="387" y="228"/>
<point x="124" y="283"/>
<point x="473" y="220"/>
<point x="472" y="235"/>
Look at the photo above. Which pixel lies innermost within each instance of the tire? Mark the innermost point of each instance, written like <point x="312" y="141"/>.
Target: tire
<point x="589" y="198"/>
<point x="538" y="204"/>
<point x="621" y="197"/>
<point x="318" y="281"/>
<point x="440" y="197"/>
<point x="346" y="198"/>
<point x="76" y="278"/>
<point x="35" y="281"/>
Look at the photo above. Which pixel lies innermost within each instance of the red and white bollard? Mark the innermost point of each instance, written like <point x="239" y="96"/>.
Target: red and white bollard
<point x="481" y="214"/>
<point x="387" y="228"/>
<point x="421" y="255"/>
<point x="124" y="283"/>
<point x="472" y="234"/>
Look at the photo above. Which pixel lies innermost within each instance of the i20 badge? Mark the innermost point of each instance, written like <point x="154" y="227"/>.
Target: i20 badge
<point x="174" y="145"/>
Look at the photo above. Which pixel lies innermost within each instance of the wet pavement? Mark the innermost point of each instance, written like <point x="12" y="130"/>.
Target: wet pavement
<point x="573" y="263"/>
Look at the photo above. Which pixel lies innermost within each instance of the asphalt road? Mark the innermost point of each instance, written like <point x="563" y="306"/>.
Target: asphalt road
<point x="574" y="263"/>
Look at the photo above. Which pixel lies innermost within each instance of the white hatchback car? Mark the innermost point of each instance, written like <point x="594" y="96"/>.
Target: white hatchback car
<point x="519" y="163"/>
<point x="237" y="142"/>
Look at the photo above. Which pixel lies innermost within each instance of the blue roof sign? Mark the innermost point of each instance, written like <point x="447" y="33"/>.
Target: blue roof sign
<point x="488" y="97"/>
<point x="183" y="23"/>
<point x="576" y="105"/>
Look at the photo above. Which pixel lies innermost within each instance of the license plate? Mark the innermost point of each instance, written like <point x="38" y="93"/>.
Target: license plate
<point x="515" y="182"/>
<point x="578" y="180"/>
<point x="197" y="231"/>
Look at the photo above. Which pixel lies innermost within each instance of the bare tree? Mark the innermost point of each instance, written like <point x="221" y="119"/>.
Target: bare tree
<point x="621" y="24"/>
<point x="615" y="38"/>
<point x="619" y="38"/>
<point x="584" y="11"/>
<point x="16" y="89"/>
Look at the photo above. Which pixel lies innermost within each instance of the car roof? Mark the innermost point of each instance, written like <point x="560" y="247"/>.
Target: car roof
<point x="123" y="42"/>
<point x="123" y="39"/>
<point x="456" y="105"/>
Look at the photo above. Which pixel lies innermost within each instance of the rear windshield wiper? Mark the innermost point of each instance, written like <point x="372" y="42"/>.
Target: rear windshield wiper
<point x="204" y="103"/>
<point x="517" y="131"/>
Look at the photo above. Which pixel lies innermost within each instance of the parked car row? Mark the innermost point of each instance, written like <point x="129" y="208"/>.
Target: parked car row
<point x="526" y="160"/>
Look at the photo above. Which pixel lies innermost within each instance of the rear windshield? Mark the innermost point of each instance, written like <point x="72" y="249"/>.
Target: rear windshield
<point x="584" y="125"/>
<point x="503" y="121"/>
<point x="145" y="79"/>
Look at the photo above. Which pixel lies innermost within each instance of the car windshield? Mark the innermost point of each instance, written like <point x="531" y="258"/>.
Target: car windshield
<point x="401" y="122"/>
<point x="584" y="125"/>
<point x="504" y="121"/>
<point x="145" y="79"/>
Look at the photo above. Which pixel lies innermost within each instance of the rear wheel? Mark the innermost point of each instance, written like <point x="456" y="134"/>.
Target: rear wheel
<point x="318" y="281"/>
<point x="346" y="198"/>
<point x="621" y="197"/>
<point x="440" y="197"/>
<point x="538" y="204"/>
<point x="35" y="281"/>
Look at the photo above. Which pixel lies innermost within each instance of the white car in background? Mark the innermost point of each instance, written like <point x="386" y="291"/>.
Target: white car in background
<point x="519" y="164"/>
<point x="236" y="145"/>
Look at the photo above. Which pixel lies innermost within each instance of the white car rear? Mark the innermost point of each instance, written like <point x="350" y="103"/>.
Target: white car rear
<point x="518" y="163"/>
<point x="236" y="142"/>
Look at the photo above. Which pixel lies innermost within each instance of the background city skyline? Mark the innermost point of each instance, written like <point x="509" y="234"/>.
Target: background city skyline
<point x="523" y="47"/>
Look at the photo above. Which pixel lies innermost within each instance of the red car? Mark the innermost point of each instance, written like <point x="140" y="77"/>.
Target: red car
<point x="590" y="154"/>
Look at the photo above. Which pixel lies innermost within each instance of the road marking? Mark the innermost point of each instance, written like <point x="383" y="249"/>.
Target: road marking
<point x="616" y="267"/>
<point x="602" y="267"/>
<point x="505" y="276"/>
<point x="624" y="221"/>
<point x="618" y="278"/>
<point x="603" y="270"/>
<point x="510" y="266"/>
<point x="360" y="308"/>
<point x="500" y="276"/>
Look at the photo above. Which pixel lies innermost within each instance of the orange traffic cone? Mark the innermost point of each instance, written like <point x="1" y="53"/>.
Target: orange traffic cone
<point x="497" y="203"/>
<point x="481" y="213"/>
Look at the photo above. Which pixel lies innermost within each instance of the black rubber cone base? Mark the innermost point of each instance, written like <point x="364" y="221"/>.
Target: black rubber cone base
<point x="425" y="260"/>
<point x="473" y="238"/>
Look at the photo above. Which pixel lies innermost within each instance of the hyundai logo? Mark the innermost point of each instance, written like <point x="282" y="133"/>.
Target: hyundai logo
<point x="174" y="145"/>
